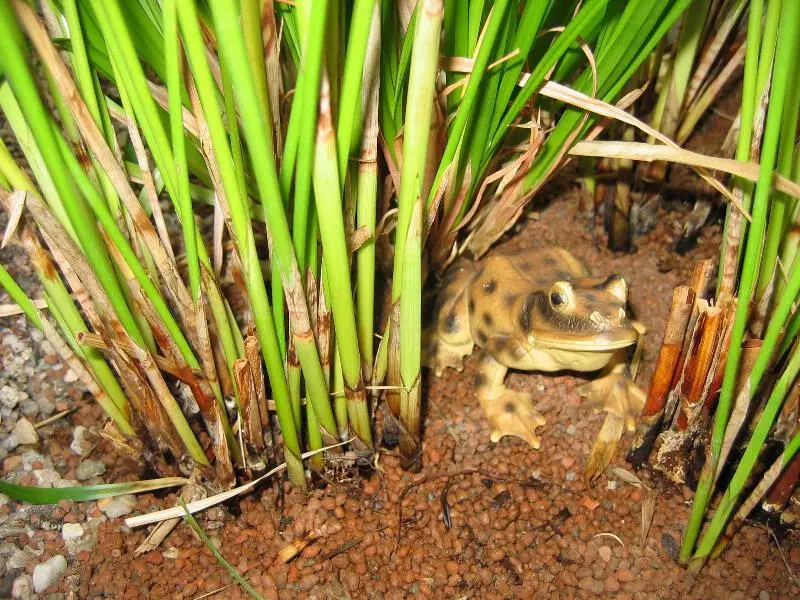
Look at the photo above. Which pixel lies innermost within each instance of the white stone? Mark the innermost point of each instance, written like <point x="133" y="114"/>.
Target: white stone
<point x="70" y="376"/>
<point x="22" y="588"/>
<point x="47" y="573"/>
<point x="25" y="432"/>
<point x="78" y="437"/>
<point x="11" y="396"/>
<point x="71" y="531"/>
<point x="172" y="553"/>
<point x="117" y="507"/>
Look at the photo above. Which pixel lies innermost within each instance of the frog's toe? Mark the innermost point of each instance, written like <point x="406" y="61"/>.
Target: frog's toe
<point x="617" y="395"/>
<point x="512" y="413"/>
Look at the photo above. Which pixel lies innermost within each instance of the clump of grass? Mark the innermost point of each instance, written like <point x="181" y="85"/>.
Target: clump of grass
<point x="741" y="432"/>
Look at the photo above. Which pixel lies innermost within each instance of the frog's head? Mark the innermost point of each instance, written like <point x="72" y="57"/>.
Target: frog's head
<point x="582" y="315"/>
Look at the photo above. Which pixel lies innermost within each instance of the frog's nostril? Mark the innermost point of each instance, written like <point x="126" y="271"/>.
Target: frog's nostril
<point x="598" y="319"/>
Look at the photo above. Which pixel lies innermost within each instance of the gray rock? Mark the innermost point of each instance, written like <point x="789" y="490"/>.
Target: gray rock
<point x="19" y="560"/>
<point x="117" y="507"/>
<point x="25" y="432"/>
<point x="62" y="483"/>
<point x="7" y="549"/>
<point x="46" y="404"/>
<point x="10" y="442"/>
<point x="22" y="588"/>
<point x="90" y="468"/>
<point x="49" y="572"/>
<point x="12" y="341"/>
<point x="4" y="499"/>
<point x="46" y="477"/>
<point x="29" y="408"/>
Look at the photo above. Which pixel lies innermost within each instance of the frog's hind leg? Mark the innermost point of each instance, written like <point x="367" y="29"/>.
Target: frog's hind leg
<point x="509" y="412"/>
<point x="449" y="339"/>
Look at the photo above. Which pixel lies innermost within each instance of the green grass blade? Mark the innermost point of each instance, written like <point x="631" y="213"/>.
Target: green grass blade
<point x="85" y="493"/>
<point x="235" y="575"/>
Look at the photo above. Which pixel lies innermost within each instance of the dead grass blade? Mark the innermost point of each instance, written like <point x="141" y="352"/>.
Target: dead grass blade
<point x="198" y="505"/>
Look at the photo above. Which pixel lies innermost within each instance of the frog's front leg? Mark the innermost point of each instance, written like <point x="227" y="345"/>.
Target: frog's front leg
<point x="615" y="393"/>
<point x="509" y="412"/>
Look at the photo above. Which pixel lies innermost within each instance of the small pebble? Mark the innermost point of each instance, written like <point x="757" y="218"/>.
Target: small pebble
<point x="71" y="531"/>
<point x="25" y="432"/>
<point x="604" y="552"/>
<point x="47" y="573"/>
<point x="29" y="408"/>
<point x="9" y="442"/>
<point x="611" y="584"/>
<point x="570" y="476"/>
<point x="625" y="575"/>
<point x="46" y="405"/>
<point x="591" y="585"/>
<point x="22" y="588"/>
<point x="117" y="507"/>
<point x="78" y="438"/>
<point x="589" y="503"/>
<point x="19" y="560"/>
<point x="571" y="430"/>
<point x="89" y="469"/>
<point x="10" y="396"/>
<point x="46" y="477"/>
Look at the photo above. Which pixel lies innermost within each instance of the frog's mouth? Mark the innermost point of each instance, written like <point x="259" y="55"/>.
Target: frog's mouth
<point x="589" y="341"/>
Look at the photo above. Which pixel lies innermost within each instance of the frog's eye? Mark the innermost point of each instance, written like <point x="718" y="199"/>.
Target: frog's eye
<point x="561" y="296"/>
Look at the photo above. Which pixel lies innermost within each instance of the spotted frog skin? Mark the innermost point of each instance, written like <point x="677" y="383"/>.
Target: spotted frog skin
<point x="536" y="310"/>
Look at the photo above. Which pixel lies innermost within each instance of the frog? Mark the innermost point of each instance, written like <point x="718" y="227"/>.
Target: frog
<point x="539" y="309"/>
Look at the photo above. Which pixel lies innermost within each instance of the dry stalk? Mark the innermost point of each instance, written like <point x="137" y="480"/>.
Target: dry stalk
<point x="668" y="359"/>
